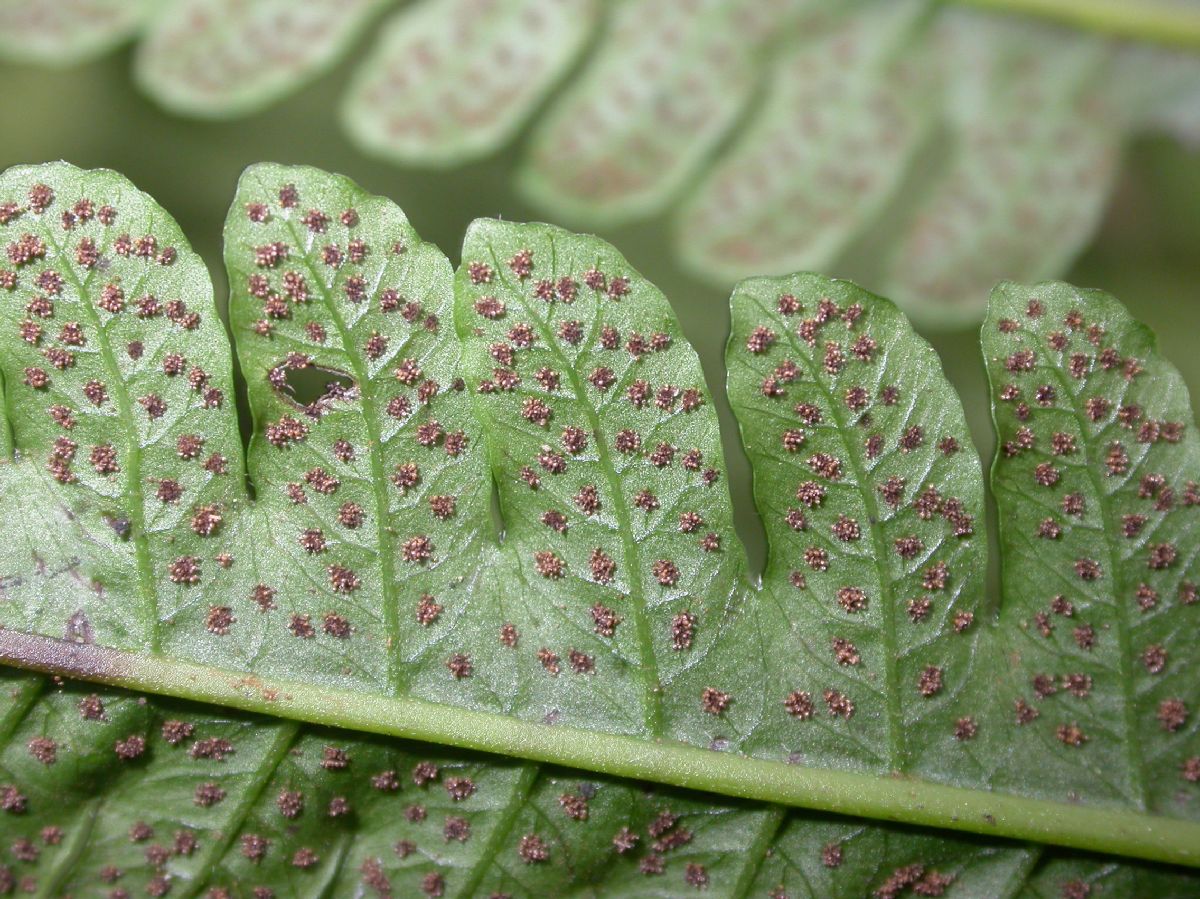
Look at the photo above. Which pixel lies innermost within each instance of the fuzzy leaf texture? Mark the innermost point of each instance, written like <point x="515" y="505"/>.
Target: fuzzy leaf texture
<point x="613" y="626"/>
<point x="68" y="32"/>
<point x="219" y="58"/>
<point x="927" y="148"/>
<point x="108" y="794"/>
<point x="418" y="100"/>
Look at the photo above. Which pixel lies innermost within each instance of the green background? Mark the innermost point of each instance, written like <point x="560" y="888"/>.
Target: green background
<point x="1147" y="251"/>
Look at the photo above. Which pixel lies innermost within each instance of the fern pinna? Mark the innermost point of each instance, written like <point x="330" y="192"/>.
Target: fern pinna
<point x="347" y="571"/>
<point x="930" y="147"/>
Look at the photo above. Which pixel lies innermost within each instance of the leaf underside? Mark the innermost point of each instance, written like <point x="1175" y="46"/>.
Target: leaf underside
<point x="106" y="791"/>
<point x="926" y="149"/>
<point x="391" y="396"/>
<point x="67" y="32"/>
<point x="420" y="99"/>
<point x="843" y="109"/>
<point x="219" y="58"/>
<point x="662" y="90"/>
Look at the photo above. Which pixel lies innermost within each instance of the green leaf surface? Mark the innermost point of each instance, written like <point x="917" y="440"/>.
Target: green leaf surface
<point x="217" y="58"/>
<point x="103" y="792"/>
<point x="66" y="32"/>
<point x="374" y="486"/>
<point x="1159" y="90"/>
<point x="925" y="149"/>
<point x="356" y="576"/>
<point x="664" y="87"/>
<point x="126" y="365"/>
<point x="1032" y="151"/>
<point x="866" y="622"/>
<point x="1099" y="509"/>
<point x="420" y="99"/>
<point x="605" y="450"/>
<point x="847" y="107"/>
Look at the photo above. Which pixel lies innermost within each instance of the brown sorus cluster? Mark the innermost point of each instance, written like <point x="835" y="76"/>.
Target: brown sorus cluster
<point x="1077" y="418"/>
<point x="627" y="452"/>
<point x="298" y="244"/>
<point x="813" y="362"/>
<point x="157" y="376"/>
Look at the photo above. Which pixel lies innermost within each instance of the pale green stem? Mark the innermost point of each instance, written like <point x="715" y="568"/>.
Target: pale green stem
<point x="1144" y="20"/>
<point x="890" y="798"/>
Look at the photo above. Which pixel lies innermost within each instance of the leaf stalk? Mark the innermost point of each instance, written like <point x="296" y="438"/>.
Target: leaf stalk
<point x="1156" y="22"/>
<point x="888" y="798"/>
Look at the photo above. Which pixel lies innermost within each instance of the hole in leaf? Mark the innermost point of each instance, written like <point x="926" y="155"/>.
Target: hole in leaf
<point x="314" y="385"/>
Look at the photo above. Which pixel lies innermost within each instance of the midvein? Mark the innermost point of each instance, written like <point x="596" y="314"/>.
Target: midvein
<point x="383" y="536"/>
<point x="133" y="459"/>
<point x="756" y="852"/>
<point x="896" y="753"/>
<point x="648" y="667"/>
<point x="500" y="832"/>
<point x="69" y="855"/>
<point x="283" y="741"/>
<point x="883" y="796"/>
<point x="1132" y="742"/>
